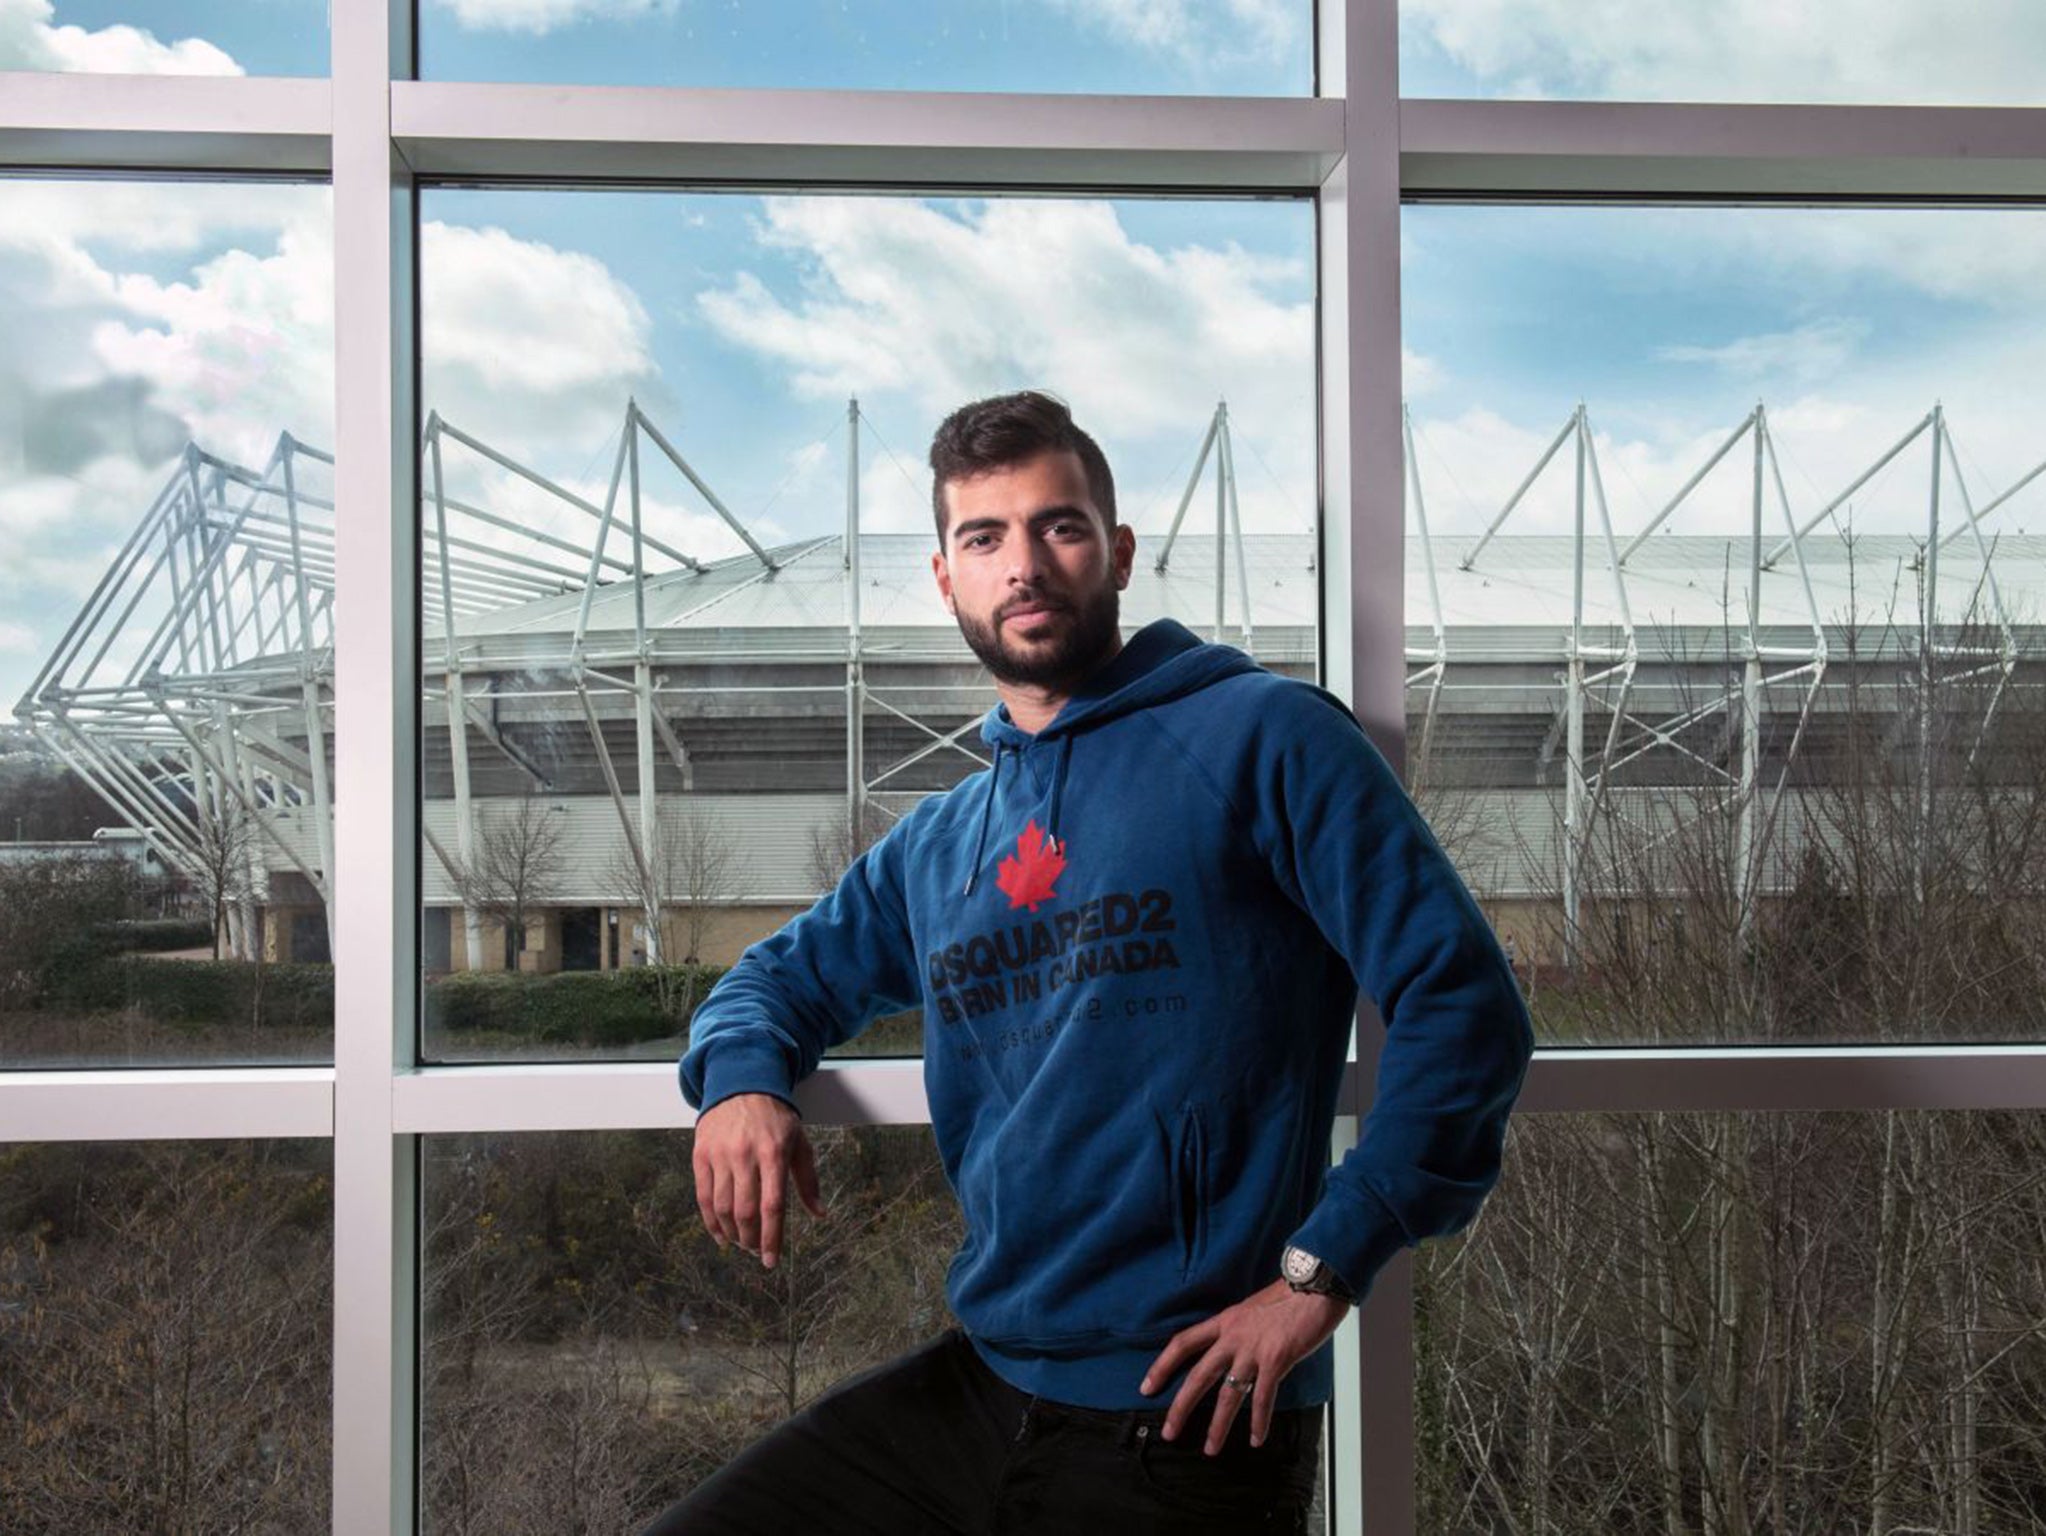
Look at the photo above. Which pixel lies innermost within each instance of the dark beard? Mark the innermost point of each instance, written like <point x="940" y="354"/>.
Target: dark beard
<point x="1090" y="637"/>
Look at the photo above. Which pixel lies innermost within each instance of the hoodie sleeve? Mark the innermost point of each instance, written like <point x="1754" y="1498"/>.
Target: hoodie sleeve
<point x="1347" y="843"/>
<point x="814" y="984"/>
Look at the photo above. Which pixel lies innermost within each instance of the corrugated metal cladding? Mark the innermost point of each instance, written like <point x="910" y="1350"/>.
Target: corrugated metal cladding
<point x="1508" y="844"/>
<point x="771" y="838"/>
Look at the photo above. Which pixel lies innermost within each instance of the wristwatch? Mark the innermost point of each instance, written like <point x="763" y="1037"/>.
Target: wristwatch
<point x="1312" y="1276"/>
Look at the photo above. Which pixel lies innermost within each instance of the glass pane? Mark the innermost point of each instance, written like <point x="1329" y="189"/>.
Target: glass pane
<point x="1200" y="47"/>
<point x="1786" y="787"/>
<point x="166" y="575"/>
<point x="1967" y="53"/>
<point x="166" y="1336"/>
<point x="165" y="37"/>
<point x="590" y="1355"/>
<point x="1817" y="1322"/>
<point x="690" y="361"/>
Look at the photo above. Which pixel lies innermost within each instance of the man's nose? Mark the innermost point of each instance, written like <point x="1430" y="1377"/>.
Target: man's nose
<point x="1026" y="562"/>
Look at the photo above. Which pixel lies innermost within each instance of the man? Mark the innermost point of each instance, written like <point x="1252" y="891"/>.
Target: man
<point x="1138" y="939"/>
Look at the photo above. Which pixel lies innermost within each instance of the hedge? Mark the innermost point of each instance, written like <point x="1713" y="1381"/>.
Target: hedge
<point x="612" y="1008"/>
<point x="293" y="996"/>
<point x="155" y="934"/>
<point x="572" y="1007"/>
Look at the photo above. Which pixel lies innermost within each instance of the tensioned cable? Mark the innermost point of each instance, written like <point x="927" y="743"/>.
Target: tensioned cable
<point x="838" y="425"/>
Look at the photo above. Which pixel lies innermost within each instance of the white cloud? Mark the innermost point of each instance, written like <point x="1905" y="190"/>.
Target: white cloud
<point x="1418" y="375"/>
<point x="1201" y="33"/>
<point x="113" y="363"/>
<point x="1994" y="257"/>
<point x="30" y="39"/>
<point x="539" y="17"/>
<point x="18" y="639"/>
<point x="1805" y="353"/>
<point x="902" y="297"/>
<point x="528" y="344"/>
<point x="1473" y="460"/>
<point x="1742" y="50"/>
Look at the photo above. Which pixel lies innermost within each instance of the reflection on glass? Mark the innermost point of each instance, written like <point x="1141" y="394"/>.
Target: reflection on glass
<point x="1829" y="1321"/>
<point x="667" y="699"/>
<point x="165" y="37"/>
<point x="1725" y="622"/>
<point x="1963" y="53"/>
<point x="590" y="1355"/>
<point x="1201" y="47"/>
<point x="166" y="1336"/>
<point x="167" y="575"/>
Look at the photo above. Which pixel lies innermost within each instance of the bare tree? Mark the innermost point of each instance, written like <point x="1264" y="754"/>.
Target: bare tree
<point x="164" y="1338"/>
<point x="1725" y="1324"/>
<point x="223" y="873"/>
<point x="834" y="846"/>
<point x="517" y="866"/>
<point x="687" y="869"/>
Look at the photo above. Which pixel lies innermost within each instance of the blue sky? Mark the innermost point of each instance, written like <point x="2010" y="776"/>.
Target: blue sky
<point x="761" y="316"/>
<point x="1912" y="51"/>
<point x="140" y="314"/>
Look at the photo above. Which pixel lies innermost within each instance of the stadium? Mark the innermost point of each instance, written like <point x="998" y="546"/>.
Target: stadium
<point x="637" y="753"/>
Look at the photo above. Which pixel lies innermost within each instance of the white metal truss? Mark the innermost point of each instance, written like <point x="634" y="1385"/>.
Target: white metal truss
<point x="1605" y="674"/>
<point x="195" y="689"/>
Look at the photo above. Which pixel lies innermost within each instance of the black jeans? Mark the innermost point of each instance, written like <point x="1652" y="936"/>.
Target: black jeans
<point x="935" y="1444"/>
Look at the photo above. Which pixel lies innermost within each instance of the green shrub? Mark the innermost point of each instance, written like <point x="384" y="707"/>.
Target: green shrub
<point x="153" y="935"/>
<point x="597" y="1008"/>
<point x="297" y="996"/>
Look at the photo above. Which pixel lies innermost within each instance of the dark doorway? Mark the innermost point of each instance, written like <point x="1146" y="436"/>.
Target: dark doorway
<point x="582" y="939"/>
<point x="436" y="941"/>
<point x="309" y="937"/>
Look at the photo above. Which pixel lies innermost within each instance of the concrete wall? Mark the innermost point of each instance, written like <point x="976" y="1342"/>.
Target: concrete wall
<point x="722" y="937"/>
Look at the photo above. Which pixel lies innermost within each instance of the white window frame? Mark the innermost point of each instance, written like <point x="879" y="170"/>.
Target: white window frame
<point x="1357" y="149"/>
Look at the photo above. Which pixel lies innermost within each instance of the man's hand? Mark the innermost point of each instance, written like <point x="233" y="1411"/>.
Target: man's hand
<point x="1258" y="1340"/>
<point x="748" y="1148"/>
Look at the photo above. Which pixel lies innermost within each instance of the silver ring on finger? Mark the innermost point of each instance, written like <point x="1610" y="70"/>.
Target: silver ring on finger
<point x="1240" y="1383"/>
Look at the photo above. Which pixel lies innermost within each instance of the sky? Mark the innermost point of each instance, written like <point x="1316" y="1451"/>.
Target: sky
<point x="141" y="315"/>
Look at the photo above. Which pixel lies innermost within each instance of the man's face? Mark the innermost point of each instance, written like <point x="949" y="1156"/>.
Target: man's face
<point x="1031" y="572"/>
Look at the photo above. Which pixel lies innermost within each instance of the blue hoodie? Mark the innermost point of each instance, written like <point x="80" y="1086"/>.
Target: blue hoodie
<point x="1138" y="940"/>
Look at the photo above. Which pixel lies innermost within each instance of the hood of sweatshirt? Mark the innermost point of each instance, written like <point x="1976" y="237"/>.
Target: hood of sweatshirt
<point x="1162" y="661"/>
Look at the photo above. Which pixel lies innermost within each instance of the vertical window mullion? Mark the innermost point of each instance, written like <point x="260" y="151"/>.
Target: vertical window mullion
<point x="376" y="701"/>
<point x="1364" y="660"/>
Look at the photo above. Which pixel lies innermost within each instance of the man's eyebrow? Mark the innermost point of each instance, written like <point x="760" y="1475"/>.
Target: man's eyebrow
<point x="1042" y="514"/>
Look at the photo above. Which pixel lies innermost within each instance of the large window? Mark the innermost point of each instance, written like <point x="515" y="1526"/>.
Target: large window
<point x="166" y="1335"/>
<point x="167" y="572"/>
<point x="1730" y="665"/>
<point x="590" y="1355"/>
<point x="591" y="351"/>
<point x="1821" y="1318"/>
<point x="164" y="37"/>
<point x="683" y="653"/>
<point x="1195" y="47"/>
<point x="1909" y="51"/>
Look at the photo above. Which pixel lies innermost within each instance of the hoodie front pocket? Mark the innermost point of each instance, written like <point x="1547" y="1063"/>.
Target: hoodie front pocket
<point x="1190" y="1189"/>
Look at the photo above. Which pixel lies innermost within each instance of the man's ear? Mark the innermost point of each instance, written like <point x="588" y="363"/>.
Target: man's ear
<point x="943" y="574"/>
<point x="1124" y="554"/>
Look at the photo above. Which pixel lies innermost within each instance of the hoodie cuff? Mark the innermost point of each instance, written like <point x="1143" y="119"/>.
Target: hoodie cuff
<point x="1355" y="1233"/>
<point x="734" y="1067"/>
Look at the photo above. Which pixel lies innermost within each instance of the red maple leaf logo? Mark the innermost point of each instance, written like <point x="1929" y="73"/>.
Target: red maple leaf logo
<point x="1027" y="877"/>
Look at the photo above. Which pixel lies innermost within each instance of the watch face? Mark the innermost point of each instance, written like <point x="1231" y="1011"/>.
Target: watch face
<point x="1299" y="1265"/>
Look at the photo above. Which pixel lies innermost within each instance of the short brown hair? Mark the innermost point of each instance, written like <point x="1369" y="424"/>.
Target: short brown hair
<point x="1002" y="430"/>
